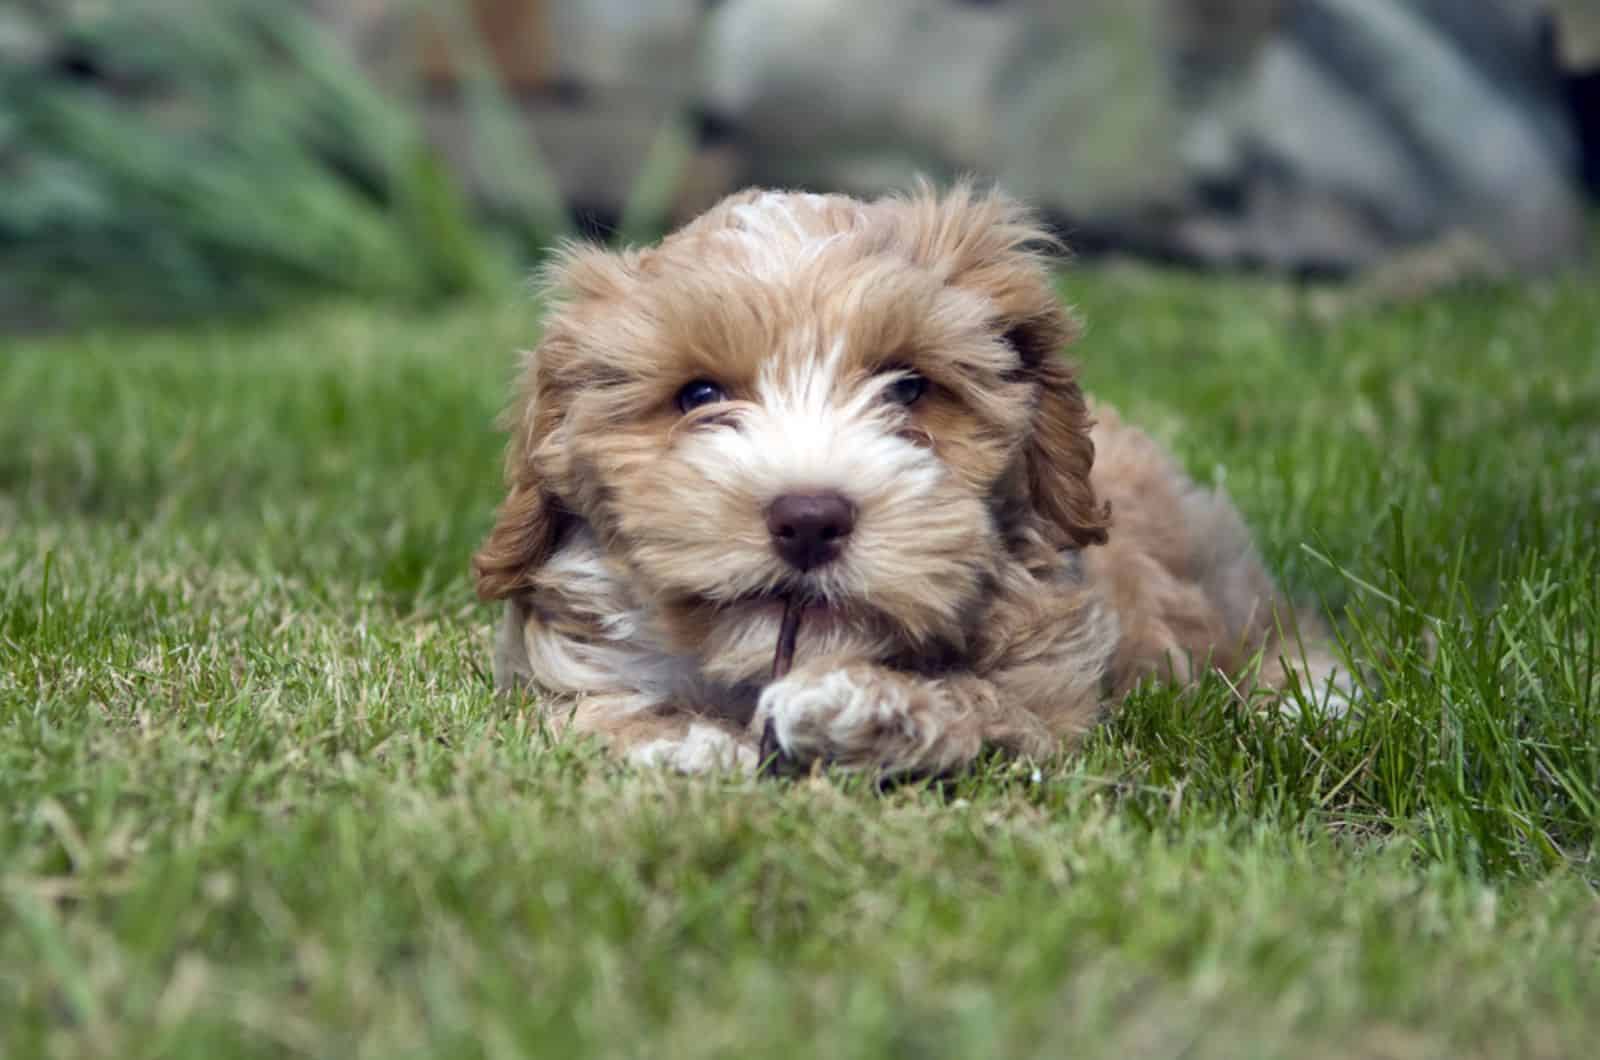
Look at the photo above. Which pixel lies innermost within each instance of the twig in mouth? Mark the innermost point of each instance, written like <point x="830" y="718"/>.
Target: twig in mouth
<point x="773" y="761"/>
<point x="788" y="632"/>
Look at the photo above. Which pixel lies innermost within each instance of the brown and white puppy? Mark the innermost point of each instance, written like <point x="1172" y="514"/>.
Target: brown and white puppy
<point x="856" y="410"/>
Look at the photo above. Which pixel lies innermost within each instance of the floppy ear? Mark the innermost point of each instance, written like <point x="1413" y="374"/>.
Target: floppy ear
<point x="578" y="284"/>
<point x="1060" y="453"/>
<point x="525" y="526"/>
<point x="988" y="244"/>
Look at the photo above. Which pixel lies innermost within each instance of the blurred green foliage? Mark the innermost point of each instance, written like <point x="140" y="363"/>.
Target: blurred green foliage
<point x="170" y="159"/>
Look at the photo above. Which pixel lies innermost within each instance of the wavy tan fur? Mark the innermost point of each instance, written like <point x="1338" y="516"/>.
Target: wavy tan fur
<point x="1014" y="567"/>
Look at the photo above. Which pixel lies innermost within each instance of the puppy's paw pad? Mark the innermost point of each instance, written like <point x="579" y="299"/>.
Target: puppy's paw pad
<point x="703" y="749"/>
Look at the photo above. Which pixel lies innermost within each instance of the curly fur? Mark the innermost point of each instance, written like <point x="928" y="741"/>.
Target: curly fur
<point x="986" y="597"/>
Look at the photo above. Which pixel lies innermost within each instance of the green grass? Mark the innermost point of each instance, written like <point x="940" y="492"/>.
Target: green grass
<point x="256" y="797"/>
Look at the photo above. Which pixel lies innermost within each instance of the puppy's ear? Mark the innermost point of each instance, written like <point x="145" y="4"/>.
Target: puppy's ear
<point x="1060" y="454"/>
<point x="579" y="283"/>
<point x="988" y="244"/>
<point x="525" y="527"/>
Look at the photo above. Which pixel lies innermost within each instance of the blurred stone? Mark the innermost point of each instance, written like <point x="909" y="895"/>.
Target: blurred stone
<point x="514" y="34"/>
<point x="1368" y="105"/>
<point x="1486" y="123"/>
<point x="23" y="40"/>
<point x="620" y="70"/>
<point x="1578" y="29"/>
<point x="1313" y="135"/>
<point x="1068" y="105"/>
<point x="1578" y="40"/>
<point x="590" y="82"/>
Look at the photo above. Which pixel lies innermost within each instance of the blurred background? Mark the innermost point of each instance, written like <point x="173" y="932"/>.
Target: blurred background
<point x="171" y="158"/>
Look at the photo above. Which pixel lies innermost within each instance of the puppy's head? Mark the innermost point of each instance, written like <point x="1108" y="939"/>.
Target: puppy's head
<point x="856" y="404"/>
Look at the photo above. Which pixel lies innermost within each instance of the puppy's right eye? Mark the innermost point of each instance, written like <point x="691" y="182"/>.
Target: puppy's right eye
<point x="698" y="393"/>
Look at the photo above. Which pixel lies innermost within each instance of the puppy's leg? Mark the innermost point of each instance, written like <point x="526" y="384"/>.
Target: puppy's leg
<point x="658" y="736"/>
<point x="860" y="715"/>
<point x="1190" y="590"/>
<point x="1304" y="660"/>
<point x="1036" y="685"/>
<point x="636" y="727"/>
<point x="1250" y="614"/>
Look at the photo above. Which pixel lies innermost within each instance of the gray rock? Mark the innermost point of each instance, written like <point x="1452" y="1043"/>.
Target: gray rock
<point x="23" y="39"/>
<point x="1578" y="24"/>
<point x="1497" y="155"/>
<point x="1320" y="134"/>
<point x="1066" y="104"/>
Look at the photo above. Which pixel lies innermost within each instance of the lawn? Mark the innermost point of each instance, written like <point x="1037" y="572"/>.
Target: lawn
<point x="258" y="799"/>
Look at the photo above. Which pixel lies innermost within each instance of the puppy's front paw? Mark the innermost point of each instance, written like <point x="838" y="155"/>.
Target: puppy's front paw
<point x="699" y="749"/>
<point x="1331" y="692"/>
<point x="861" y="716"/>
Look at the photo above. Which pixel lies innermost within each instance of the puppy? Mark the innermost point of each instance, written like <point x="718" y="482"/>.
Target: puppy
<point x="852" y="417"/>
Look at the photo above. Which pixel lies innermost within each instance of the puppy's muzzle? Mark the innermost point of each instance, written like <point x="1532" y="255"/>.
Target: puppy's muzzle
<point x="810" y="529"/>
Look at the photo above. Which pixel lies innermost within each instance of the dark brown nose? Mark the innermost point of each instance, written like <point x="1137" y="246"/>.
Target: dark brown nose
<point x="808" y="529"/>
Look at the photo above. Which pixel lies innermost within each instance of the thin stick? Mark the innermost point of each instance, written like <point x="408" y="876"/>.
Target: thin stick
<point x="788" y="632"/>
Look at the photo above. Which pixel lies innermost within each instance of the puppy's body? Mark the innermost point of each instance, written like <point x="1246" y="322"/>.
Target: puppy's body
<point x="859" y="407"/>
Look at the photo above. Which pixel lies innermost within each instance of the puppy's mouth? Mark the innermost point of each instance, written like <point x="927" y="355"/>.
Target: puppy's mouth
<point x="796" y="609"/>
<point x="791" y="608"/>
<point x="799" y="615"/>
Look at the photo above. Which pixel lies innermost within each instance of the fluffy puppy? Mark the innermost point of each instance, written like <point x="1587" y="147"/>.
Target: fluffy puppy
<point x="856" y="414"/>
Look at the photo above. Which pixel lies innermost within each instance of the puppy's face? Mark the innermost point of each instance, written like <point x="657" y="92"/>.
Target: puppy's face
<point x="853" y="405"/>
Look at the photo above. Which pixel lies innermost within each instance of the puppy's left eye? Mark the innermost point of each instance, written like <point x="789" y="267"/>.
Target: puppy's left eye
<point x="698" y="393"/>
<point x="906" y="389"/>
